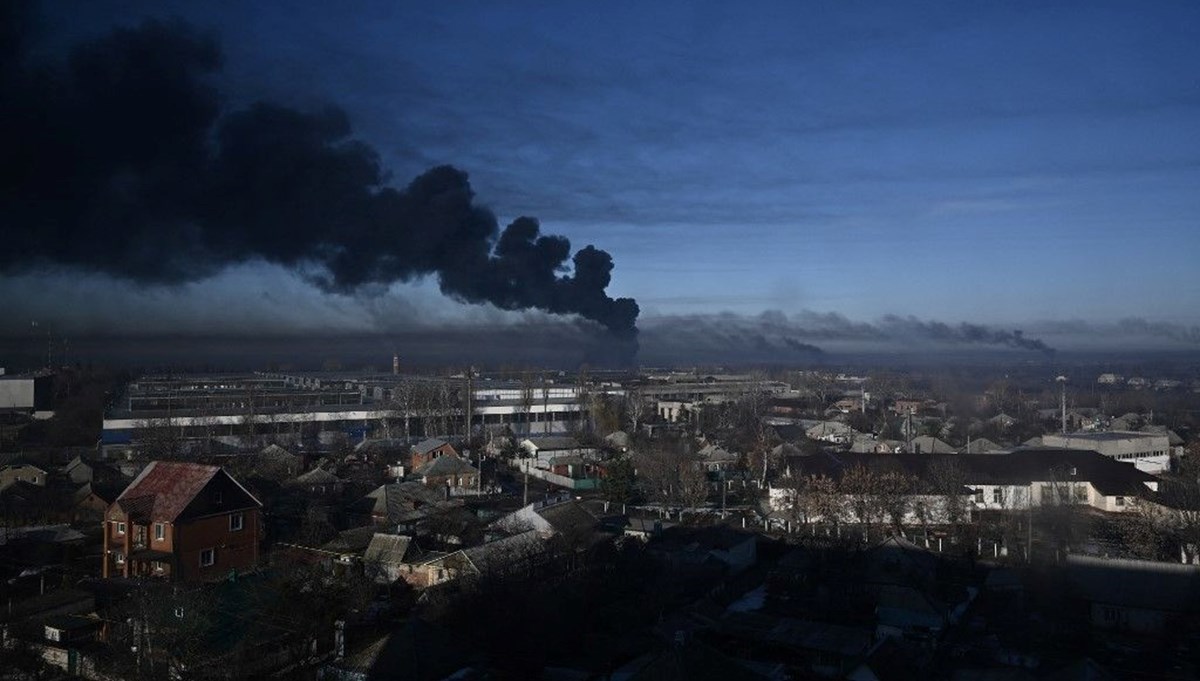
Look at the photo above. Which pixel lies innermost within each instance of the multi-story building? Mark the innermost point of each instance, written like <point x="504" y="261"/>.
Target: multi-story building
<point x="184" y="521"/>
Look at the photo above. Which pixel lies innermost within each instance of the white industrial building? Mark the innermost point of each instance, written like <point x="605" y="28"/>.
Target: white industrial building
<point x="27" y="393"/>
<point x="1150" y="452"/>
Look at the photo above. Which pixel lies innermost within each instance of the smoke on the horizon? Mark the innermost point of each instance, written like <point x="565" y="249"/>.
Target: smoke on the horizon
<point x="778" y="336"/>
<point x="121" y="161"/>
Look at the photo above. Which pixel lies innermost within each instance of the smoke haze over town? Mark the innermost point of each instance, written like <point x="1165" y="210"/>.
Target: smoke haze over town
<point x="774" y="199"/>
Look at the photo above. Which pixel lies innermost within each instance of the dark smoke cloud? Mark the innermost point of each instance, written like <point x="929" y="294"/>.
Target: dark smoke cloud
<point x="1122" y="329"/>
<point x="1136" y="326"/>
<point x="964" y="333"/>
<point x="121" y="160"/>
<point x="775" y="336"/>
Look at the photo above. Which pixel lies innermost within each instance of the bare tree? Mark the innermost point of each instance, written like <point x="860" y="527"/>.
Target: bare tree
<point x="692" y="482"/>
<point x="159" y="438"/>
<point x="527" y="401"/>
<point x="821" y="500"/>
<point x="895" y="488"/>
<point x="862" y="489"/>
<point x="948" y="479"/>
<point x="634" y="407"/>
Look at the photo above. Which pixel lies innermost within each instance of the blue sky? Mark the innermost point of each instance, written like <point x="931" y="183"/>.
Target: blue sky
<point x="997" y="163"/>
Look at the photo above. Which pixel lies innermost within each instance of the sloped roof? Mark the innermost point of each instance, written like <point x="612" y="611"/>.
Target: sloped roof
<point x="713" y="452"/>
<point x="398" y="501"/>
<point x="274" y="451"/>
<point x="106" y="491"/>
<point x="552" y="443"/>
<point x="444" y="465"/>
<point x="352" y="540"/>
<point x="500" y="555"/>
<point x="165" y="488"/>
<point x="317" y="476"/>
<point x="388" y="549"/>
<point x="1151" y="585"/>
<point x="931" y="445"/>
<point x="982" y="445"/>
<point x="571" y="517"/>
<point x="428" y="445"/>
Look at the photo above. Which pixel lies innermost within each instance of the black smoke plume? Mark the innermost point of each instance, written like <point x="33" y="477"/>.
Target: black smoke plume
<point x="121" y="160"/>
<point x="775" y="336"/>
<point x="964" y="333"/>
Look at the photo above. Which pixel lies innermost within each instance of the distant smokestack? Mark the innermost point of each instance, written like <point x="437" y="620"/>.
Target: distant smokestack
<point x="395" y="365"/>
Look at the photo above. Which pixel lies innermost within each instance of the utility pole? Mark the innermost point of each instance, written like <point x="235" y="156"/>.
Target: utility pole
<point x="1062" y="383"/>
<point x="545" y="406"/>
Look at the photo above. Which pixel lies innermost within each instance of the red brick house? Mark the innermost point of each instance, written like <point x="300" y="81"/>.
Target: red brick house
<point x="427" y="450"/>
<point x="185" y="521"/>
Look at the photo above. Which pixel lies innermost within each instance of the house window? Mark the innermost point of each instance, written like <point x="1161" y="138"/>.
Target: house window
<point x="208" y="557"/>
<point x="158" y="566"/>
<point x="997" y="496"/>
<point x="179" y="613"/>
<point x="218" y="497"/>
<point x="1120" y="501"/>
<point x="236" y="522"/>
<point x="120" y="528"/>
<point x="120" y="557"/>
<point x="34" y="480"/>
<point x="160" y="532"/>
<point x="979" y="496"/>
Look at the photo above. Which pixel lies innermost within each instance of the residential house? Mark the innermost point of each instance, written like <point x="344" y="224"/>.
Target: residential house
<point x="927" y="444"/>
<point x="449" y="472"/>
<point x="93" y="498"/>
<point x="1002" y="420"/>
<point x="831" y="431"/>
<point x="386" y="556"/>
<point x="186" y="521"/>
<point x="427" y="450"/>
<point x="317" y="482"/>
<point x="402" y="505"/>
<point x="905" y="406"/>
<point x="21" y="470"/>
<point x="867" y="444"/>
<point x="980" y="445"/>
<point x="81" y="470"/>
<point x="544" y="449"/>
<point x="570" y="519"/>
<point x="716" y="458"/>
<point x="275" y="463"/>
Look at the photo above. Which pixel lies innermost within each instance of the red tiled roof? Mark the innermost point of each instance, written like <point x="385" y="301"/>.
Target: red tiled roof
<point x="165" y="488"/>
